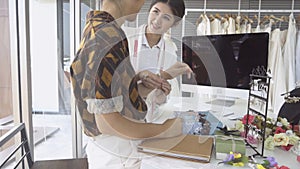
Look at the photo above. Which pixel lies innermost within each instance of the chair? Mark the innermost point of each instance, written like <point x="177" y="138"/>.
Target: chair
<point x="23" y="147"/>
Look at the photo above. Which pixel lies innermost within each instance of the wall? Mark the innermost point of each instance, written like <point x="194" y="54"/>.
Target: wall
<point x="44" y="55"/>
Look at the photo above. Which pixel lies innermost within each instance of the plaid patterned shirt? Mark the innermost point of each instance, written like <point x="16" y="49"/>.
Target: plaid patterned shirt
<point x="101" y="73"/>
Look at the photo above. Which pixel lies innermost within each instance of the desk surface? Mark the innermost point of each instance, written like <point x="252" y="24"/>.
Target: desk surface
<point x="61" y="164"/>
<point x="189" y="103"/>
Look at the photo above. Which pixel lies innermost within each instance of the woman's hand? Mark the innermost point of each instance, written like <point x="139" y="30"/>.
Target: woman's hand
<point x="177" y="69"/>
<point x="160" y="97"/>
<point x="153" y="81"/>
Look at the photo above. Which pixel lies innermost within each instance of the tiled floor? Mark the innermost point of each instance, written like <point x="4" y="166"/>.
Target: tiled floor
<point x="57" y="145"/>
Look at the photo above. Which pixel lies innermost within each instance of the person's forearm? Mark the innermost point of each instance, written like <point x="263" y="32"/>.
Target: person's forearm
<point x="165" y="75"/>
<point x="115" y="124"/>
<point x="143" y="90"/>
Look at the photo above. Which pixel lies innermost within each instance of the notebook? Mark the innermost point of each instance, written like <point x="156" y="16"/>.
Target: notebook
<point x="188" y="147"/>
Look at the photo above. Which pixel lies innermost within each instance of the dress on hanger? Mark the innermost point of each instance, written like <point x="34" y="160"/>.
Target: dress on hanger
<point x="243" y="27"/>
<point x="224" y="26"/>
<point x="249" y="27"/>
<point x="215" y="26"/>
<point x="289" y="54"/>
<point x="203" y="27"/>
<point x="276" y="65"/>
<point x="231" y="26"/>
<point x="208" y="32"/>
<point x="238" y="20"/>
<point x="297" y="58"/>
<point x="268" y="27"/>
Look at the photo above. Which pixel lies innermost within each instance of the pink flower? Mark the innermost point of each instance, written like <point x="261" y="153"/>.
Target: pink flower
<point x="243" y="134"/>
<point x="251" y="139"/>
<point x="250" y="119"/>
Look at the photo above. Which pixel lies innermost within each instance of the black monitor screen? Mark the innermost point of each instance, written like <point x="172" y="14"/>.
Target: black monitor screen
<point x="225" y="60"/>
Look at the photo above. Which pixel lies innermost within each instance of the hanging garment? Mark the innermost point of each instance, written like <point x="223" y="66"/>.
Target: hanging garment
<point x="276" y="65"/>
<point x="289" y="54"/>
<point x="208" y="32"/>
<point x="266" y="27"/>
<point x="257" y="29"/>
<point x="224" y="26"/>
<point x="249" y="27"/>
<point x="243" y="27"/>
<point x="297" y="58"/>
<point x="201" y="28"/>
<point x="231" y="26"/>
<point x="238" y="24"/>
<point x="215" y="26"/>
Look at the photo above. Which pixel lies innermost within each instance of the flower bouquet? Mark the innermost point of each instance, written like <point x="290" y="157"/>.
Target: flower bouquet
<point x="277" y="132"/>
<point x="239" y="160"/>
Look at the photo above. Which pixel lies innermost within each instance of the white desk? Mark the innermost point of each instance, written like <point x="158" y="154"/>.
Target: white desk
<point x="202" y="104"/>
<point x="187" y="103"/>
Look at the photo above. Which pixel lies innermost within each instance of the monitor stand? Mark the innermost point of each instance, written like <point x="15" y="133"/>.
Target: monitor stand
<point x="222" y="102"/>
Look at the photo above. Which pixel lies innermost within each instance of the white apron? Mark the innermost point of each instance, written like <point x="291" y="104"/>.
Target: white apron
<point x="111" y="152"/>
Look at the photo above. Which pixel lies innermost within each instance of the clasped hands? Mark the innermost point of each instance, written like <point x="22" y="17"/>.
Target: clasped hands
<point x="154" y="81"/>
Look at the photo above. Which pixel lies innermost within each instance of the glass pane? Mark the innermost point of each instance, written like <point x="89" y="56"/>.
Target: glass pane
<point x="5" y="69"/>
<point x="6" y="109"/>
<point x="85" y="7"/>
<point x="50" y="55"/>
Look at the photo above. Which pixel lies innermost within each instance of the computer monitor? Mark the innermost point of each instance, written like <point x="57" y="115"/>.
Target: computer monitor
<point x="223" y="63"/>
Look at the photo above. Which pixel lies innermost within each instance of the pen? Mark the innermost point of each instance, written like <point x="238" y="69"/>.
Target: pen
<point x="229" y="114"/>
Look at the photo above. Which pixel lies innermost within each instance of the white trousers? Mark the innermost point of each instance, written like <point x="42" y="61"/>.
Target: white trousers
<point x="111" y="152"/>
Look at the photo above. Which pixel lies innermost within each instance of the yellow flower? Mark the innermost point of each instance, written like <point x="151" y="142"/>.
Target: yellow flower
<point x="239" y="126"/>
<point x="281" y="139"/>
<point x="259" y="166"/>
<point x="293" y="139"/>
<point x="268" y="131"/>
<point x="239" y="164"/>
<point x="284" y="122"/>
<point x="237" y="155"/>
<point x="269" y="143"/>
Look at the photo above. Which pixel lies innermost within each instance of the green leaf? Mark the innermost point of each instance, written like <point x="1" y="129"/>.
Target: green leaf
<point x="244" y="159"/>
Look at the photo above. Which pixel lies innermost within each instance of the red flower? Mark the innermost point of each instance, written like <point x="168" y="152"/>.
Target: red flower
<point x="250" y="119"/>
<point x="287" y="148"/>
<point x="279" y="130"/>
<point x="283" y="167"/>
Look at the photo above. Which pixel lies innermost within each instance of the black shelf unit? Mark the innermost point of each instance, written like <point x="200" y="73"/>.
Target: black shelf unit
<point x="259" y="91"/>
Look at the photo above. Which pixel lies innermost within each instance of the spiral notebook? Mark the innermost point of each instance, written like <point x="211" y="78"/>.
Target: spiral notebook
<point x="187" y="147"/>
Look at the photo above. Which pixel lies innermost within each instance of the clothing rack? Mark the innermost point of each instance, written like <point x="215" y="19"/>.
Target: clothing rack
<point x="204" y="10"/>
<point x="242" y="10"/>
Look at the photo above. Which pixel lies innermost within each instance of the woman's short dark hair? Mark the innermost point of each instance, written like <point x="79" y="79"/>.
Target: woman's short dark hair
<point x="177" y="7"/>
